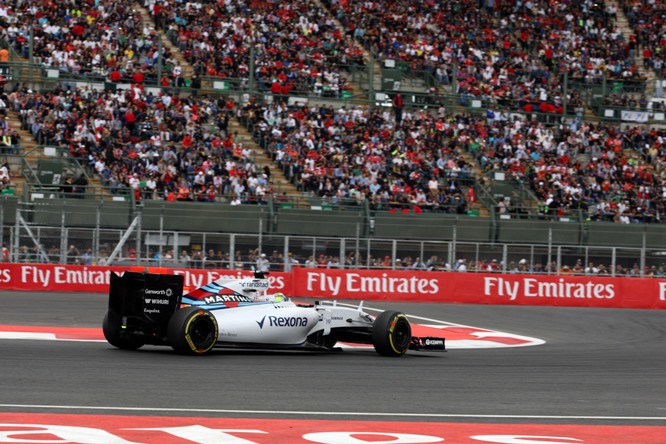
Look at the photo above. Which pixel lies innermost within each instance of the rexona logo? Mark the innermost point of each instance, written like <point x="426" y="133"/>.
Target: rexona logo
<point x="282" y="321"/>
<point x="226" y="298"/>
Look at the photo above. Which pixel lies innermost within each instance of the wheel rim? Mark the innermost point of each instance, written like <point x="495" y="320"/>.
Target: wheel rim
<point x="401" y="335"/>
<point x="201" y="332"/>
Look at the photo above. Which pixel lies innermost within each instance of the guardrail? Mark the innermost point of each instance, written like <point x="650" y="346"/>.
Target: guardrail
<point x="31" y="242"/>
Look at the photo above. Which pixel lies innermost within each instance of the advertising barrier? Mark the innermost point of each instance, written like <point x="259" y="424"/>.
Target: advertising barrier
<point x="415" y="286"/>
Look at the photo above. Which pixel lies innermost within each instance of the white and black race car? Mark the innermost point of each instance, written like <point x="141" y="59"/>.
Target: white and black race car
<point x="151" y="309"/>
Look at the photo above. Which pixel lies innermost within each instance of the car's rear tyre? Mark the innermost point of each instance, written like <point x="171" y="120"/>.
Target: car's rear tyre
<point x="111" y="329"/>
<point x="391" y="333"/>
<point x="192" y="331"/>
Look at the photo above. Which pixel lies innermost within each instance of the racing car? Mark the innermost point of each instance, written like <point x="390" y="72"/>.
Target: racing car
<point x="147" y="308"/>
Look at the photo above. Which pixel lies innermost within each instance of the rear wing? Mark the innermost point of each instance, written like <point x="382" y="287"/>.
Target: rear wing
<point x="145" y="302"/>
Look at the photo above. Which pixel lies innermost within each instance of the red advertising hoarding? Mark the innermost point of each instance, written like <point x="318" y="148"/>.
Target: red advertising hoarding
<point x="425" y="286"/>
<point x="95" y="279"/>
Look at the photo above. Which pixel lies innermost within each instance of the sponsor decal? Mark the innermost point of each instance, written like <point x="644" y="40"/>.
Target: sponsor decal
<point x="481" y="288"/>
<point x="163" y="292"/>
<point x="222" y="298"/>
<point x="254" y="284"/>
<point x="530" y="287"/>
<point x="283" y="321"/>
<point x="434" y="342"/>
<point x="157" y="301"/>
<point x="156" y="304"/>
<point x="353" y="282"/>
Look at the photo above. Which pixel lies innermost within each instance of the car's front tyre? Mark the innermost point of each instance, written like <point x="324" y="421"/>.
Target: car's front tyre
<point x="111" y="329"/>
<point x="192" y="331"/>
<point x="391" y="333"/>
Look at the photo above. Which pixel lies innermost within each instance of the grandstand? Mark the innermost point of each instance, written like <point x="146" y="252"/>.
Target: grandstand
<point x="492" y="113"/>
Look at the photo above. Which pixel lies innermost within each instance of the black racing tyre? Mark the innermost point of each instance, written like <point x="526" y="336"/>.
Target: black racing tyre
<point x="192" y="331"/>
<point x="391" y="333"/>
<point x="111" y="329"/>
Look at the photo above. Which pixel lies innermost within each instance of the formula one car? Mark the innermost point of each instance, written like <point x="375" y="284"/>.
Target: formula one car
<point x="240" y="313"/>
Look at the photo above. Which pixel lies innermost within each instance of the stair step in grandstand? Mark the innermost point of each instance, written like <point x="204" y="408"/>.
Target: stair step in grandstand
<point x="32" y="154"/>
<point x="27" y="143"/>
<point x="262" y="160"/>
<point x="281" y="185"/>
<point x="188" y="70"/>
<point x="357" y="91"/>
<point x="623" y="26"/>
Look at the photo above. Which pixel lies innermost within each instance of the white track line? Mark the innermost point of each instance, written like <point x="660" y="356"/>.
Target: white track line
<point x="466" y="344"/>
<point x="310" y="413"/>
<point x="451" y="324"/>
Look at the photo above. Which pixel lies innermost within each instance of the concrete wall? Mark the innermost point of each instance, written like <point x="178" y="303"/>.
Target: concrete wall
<point x="80" y="213"/>
<point x="432" y="226"/>
<point x="194" y="216"/>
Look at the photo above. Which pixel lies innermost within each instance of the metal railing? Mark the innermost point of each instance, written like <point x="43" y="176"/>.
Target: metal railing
<point x="102" y="246"/>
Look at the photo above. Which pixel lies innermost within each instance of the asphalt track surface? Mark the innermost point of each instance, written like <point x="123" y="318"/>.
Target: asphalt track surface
<point x="598" y="366"/>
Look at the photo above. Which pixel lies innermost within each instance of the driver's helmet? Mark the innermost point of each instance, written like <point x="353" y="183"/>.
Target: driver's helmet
<point x="279" y="297"/>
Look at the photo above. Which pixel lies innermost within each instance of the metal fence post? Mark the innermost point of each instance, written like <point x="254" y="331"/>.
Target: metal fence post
<point x="138" y="235"/>
<point x="285" y="254"/>
<point x="453" y="242"/>
<point x="261" y="235"/>
<point x="63" y="234"/>
<point x="232" y="251"/>
<point x="550" y="244"/>
<point x="643" y="247"/>
<point x="358" y="244"/>
<point x="2" y="224"/>
<point x="505" y="257"/>
<point x="98" y="219"/>
<point x="17" y="236"/>
<point x="161" y="241"/>
<point x="613" y="259"/>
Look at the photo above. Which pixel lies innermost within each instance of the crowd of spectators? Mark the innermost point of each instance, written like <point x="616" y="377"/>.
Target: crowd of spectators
<point x="296" y="46"/>
<point x="648" y="20"/>
<point x="609" y="173"/>
<point x="511" y="53"/>
<point x="9" y="137"/>
<point x="105" y="39"/>
<point x="155" y="146"/>
<point x="5" y="178"/>
<point x="575" y="267"/>
<point x="357" y="154"/>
